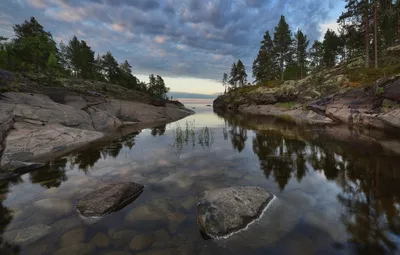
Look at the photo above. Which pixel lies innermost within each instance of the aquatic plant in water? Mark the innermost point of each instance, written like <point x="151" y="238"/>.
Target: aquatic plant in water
<point x="183" y="135"/>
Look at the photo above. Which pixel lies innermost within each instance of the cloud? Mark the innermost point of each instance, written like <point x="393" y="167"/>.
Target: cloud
<point x="324" y="27"/>
<point x="217" y="57"/>
<point x="160" y="39"/>
<point x="40" y="4"/>
<point x="176" y="38"/>
<point x="181" y="47"/>
<point x="68" y="15"/>
<point x="118" y="27"/>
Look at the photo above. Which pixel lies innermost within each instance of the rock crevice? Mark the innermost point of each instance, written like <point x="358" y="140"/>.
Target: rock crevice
<point x="34" y="124"/>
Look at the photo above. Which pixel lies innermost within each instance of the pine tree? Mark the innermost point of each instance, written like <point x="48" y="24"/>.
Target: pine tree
<point x="86" y="60"/>
<point x="156" y="87"/>
<point x="375" y="33"/>
<point x="330" y="45"/>
<point x="316" y="54"/>
<point x="365" y="6"/>
<point x="282" y="44"/>
<point x="3" y="53"/>
<point x="264" y="66"/>
<point x="233" y="76"/>
<point x="32" y="45"/>
<point x="110" y="67"/>
<point x="126" y="78"/>
<point x="52" y="65"/>
<point x="358" y="12"/>
<point x="72" y="53"/>
<point x="241" y="74"/>
<point x="301" y="52"/>
<point x="225" y="81"/>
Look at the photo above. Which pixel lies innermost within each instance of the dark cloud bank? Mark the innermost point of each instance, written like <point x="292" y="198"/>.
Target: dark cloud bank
<point x="191" y="38"/>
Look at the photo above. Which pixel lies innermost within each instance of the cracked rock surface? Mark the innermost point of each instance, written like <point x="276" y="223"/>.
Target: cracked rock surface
<point x="32" y="124"/>
<point x="223" y="211"/>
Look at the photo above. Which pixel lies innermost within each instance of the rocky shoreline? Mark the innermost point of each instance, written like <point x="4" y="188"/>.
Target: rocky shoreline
<point x="377" y="106"/>
<point x="38" y="121"/>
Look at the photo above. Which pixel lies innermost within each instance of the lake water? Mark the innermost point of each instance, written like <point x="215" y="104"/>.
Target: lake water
<point x="337" y="191"/>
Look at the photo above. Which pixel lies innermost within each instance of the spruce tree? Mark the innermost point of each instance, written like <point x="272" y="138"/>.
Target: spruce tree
<point x="301" y="52"/>
<point x="233" y="76"/>
<point x="241" y="74"/>
<point x="32" y="45"/>
<point x="110" y="67"/>
<point x="316" y="54"/>
<point x="265" y="65"/>
<point x="282" y="44"/>
<point x="225" y="81"/>
<point x="330" y="45"/>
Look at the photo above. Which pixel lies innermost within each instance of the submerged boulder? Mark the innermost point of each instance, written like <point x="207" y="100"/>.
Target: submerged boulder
<point x="109" y="198"/>
<point x="223" y="211"/>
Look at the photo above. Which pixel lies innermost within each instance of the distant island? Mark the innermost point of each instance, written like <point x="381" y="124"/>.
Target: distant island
<point x="191" y="95"/>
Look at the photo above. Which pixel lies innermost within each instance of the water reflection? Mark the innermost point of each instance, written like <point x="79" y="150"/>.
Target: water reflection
<point x="52" y="175"/>
<point x="370" y="194"/>
<point x="184" y="136"/>
<point x="319" y="171"/>
<point x="280" y="157"/>
<point x="6" y="216"/>
<point x="158" y="131"/>
<point x="368" y="177"/>
<point x="86" y="159"/>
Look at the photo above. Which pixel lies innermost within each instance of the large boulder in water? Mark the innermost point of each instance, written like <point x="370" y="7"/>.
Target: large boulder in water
<point x="223" y="211"/>
<point x="109" y="198"/>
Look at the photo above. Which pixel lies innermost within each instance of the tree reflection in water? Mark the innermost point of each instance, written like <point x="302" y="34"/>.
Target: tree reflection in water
<point x="52" y="175"/>
<point x="160" y="130"/>
<point x="6" y="216"/>
<point x="88" y="157"/>
<point x="367" y="176"/>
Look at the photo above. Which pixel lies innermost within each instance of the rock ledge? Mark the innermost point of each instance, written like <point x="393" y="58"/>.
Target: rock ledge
<point x="223" y="211"/>
<point x="108" y="199"/>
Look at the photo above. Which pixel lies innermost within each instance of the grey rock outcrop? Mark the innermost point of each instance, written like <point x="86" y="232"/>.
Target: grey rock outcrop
<point x="33" y="125"/>
<point x="223" y="211"/>
<point x="108" y="199"/>
<point x="360" y="107"/>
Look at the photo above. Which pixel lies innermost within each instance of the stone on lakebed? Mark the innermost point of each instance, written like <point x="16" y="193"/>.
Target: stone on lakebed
<point x="109" y="198"/>
<point x="224" y="211"/>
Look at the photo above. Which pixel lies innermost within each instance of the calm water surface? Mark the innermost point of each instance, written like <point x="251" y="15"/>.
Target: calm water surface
<point x="338" y="192"/>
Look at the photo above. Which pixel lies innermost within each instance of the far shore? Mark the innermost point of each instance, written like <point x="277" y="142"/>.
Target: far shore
<point x="195" y="100"/>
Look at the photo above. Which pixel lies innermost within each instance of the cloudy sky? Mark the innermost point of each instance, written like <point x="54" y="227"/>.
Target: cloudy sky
<point x="191" y="43"/>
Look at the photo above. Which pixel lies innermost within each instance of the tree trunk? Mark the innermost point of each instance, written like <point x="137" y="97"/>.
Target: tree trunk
<point x="366" y="32"/>
<point x="301" y="71"/>
<point x="281" y="63"/>
<point x="398" y="25"/>
<point x="376" y="33"/>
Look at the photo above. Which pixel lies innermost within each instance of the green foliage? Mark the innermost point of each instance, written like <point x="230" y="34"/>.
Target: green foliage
<point x="52" y="65"/>
<point x="301" y="53"/>
<point x="368" y="76"/>
<point x="225" y="81"/>
<point x="282" y="44"/>
<point x="32" y="46"/>
<point x="156" y="87"/>
<point x="331" y="45"/>
<point x="316" y="54"/>
<point x="286" y="105"/>
<point x="238" y="75"/>
<point x="110" y="67"/>
<point x="34" y="52"/>
<point x="265" y="66"/>
<point x="187" y="136"/>
<point x="379" y="91"/>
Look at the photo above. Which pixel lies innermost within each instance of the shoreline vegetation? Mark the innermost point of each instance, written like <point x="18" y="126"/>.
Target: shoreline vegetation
<point x="352" y="76"/>
<point x="55" y="99"/>
<point x="34" y="52"/>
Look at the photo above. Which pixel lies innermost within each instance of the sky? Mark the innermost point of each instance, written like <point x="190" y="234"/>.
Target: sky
<point x="190" y="43"/>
